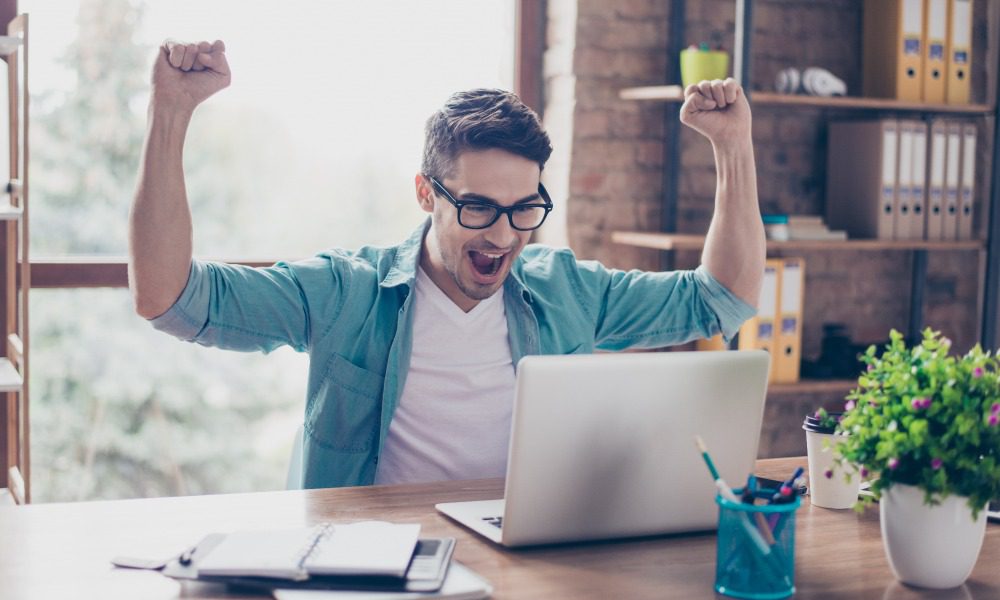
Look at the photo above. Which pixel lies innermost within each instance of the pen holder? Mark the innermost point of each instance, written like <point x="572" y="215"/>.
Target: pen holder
<point x="755" y="555"/>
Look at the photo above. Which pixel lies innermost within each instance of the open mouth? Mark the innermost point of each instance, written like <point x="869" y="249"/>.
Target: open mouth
<point x="487" y="264"/>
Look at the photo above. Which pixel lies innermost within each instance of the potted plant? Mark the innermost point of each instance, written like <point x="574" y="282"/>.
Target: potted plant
<point x="926" y="426"/>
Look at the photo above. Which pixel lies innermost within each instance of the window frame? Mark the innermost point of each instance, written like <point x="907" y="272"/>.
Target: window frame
<point x="75" y="271"/>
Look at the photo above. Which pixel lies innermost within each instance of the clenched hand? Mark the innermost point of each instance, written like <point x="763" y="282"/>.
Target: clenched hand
<point x="718" y="110"/>
<point x="184" y="75"/>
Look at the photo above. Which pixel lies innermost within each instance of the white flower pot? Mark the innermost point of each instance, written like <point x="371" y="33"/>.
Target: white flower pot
<point x="930" y="546"/>
<point x="834" y="492"/>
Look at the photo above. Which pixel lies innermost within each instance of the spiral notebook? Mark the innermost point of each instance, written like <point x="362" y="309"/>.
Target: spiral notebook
<point x="368" y="548"/>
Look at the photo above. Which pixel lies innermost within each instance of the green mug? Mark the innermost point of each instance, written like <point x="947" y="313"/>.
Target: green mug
<point x="697" y="64"/>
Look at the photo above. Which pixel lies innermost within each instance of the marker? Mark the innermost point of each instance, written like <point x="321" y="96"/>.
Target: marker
<point x="747" y="496"/>
<point x="787" y="488"/>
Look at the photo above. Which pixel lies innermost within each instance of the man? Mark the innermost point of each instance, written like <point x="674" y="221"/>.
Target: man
<point x="413" y="347"/>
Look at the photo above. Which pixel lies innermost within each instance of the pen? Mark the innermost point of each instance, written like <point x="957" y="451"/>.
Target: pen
<point x="747" y="496"/>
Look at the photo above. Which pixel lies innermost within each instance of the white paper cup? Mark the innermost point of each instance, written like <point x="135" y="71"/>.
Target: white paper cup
<point x="833" y="492"/>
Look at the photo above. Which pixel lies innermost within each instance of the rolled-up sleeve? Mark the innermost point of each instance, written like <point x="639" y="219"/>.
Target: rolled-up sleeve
<point x="239" y="308"/>
<point x="731" y="312"/>
<point x="639" y="309"/>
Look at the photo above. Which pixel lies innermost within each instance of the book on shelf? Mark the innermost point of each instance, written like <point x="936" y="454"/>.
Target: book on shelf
<point x="784" y="228"/>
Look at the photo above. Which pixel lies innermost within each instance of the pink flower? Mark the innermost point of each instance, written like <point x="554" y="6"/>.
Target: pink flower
<point x="977" y="372"/>
<point x="871" y="367"/>
<point x="864" y="472"/>
<point x="828" y="473"/>
<point x="994" y="419"/>
<point x="849" y="405"/>
<point x="995" y="408"/>
<point x="920" y="403"/>
<point x="936" y="463"/>
<point x="893" y="463"/>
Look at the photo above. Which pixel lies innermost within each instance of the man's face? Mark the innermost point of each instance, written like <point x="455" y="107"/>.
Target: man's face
<point x="470" y="265"/>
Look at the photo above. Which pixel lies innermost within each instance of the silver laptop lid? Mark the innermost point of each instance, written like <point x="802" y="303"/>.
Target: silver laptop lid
<point x="602" y="445"/>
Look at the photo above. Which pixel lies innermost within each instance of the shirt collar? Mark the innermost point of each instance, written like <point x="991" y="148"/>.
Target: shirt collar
<point x="404" y="265"/>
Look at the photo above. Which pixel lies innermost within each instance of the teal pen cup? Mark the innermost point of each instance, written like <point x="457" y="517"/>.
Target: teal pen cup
<point x="747" y="564"/>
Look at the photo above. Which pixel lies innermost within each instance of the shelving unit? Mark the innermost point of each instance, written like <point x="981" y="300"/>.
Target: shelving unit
<point x="670" y="240"/>
<point x="684" y="241"/>
<point x="985" y="252"/>
<point x="675" y="93"/>
<point x="15" y="280"/>
<point x="814" y="386"/>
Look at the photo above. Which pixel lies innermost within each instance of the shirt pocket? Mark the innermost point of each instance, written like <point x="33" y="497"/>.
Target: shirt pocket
<point x="343" y="413"/>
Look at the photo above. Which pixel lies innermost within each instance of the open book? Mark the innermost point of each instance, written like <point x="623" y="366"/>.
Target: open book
<point x="368" y="548"/>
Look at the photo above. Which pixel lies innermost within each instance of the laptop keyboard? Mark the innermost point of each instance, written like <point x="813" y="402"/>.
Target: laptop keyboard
<point x="497" y="521"/>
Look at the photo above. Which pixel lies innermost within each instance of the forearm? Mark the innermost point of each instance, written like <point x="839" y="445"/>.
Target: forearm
<point x="735" y="247"/>
<point x="160" y="220"/>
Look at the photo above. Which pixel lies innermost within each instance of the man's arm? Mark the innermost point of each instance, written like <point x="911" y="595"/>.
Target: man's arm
<point x="160" y="247"/>
<point x="735" y="247"/>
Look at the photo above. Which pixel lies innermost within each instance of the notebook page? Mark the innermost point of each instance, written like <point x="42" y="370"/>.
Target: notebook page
<point x="276" y="553"/>
<point x="365" y="548"/>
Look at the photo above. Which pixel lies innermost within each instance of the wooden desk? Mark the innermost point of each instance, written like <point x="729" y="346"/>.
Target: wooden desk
<point x="62" y="550"/>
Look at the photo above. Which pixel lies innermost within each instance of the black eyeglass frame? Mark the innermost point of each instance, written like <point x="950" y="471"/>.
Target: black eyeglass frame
<point x="499" y="210"/>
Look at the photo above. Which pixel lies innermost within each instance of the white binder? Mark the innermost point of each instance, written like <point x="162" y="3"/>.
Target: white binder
<point x="918" y="187"/>
<point x="967" y="183"/>
<point x="952" y="173"/>
<point x="937" y="158"/>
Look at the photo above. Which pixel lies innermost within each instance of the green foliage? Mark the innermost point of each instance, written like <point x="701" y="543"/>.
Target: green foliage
<point x="927" y="419"/>
<point x="825" y="420"/>
<point x="119" y="410"/>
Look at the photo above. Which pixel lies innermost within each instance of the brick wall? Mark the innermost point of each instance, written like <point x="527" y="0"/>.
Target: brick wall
<point x="608" y="152"/>
<point x="612" y="157"/>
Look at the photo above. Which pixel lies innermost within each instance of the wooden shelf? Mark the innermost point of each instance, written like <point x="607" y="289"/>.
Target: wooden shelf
<point x="8" y="44"/>
<point x="813" y="386"/>
<point x="681" y="241"/>
<point x="10" y="379"/>
<point x="9" y="212"/>
<point x="675" y="93"/>
<point x="663" y="93"/>
<point x="847" y="102"/>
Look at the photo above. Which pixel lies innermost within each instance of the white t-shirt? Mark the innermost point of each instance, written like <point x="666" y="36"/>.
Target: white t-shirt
<point x="453" y="418"/>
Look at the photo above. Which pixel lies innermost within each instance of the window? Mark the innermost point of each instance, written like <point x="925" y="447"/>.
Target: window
<point x="315" y="144"/>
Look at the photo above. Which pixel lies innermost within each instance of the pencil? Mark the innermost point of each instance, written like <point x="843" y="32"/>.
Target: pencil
<point x="704" y="455"/>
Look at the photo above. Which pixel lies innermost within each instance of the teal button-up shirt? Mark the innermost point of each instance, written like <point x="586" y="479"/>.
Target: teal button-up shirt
<point x="352" y="311"/>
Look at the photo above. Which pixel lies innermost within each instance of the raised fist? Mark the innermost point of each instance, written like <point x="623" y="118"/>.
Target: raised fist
<point x="186" y="74"/>
<point x="718" y="110"/>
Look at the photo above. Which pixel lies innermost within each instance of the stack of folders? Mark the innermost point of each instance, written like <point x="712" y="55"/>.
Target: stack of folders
<point x="383" y="560"/>
<point x="918" y="50"/>
<point x="777" y="327"/>
<point x="902" y="179"/>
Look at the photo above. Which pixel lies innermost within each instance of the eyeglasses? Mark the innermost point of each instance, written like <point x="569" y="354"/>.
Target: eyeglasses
<point x="478" y="214"/>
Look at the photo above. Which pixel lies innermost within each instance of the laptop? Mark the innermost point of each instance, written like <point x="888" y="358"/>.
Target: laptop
<point x="602" y="445"/>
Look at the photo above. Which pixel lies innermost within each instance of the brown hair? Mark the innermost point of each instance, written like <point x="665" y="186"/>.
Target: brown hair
<point x="482" y="119"/>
